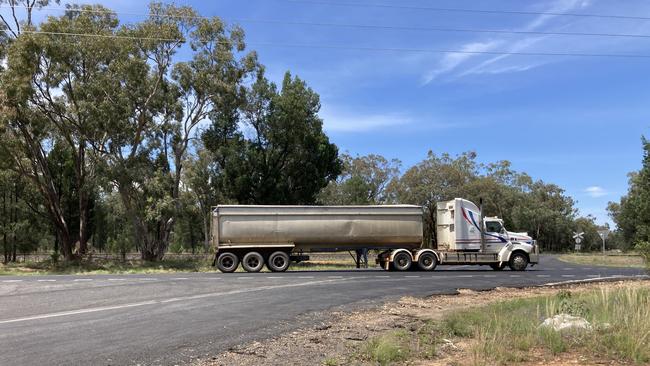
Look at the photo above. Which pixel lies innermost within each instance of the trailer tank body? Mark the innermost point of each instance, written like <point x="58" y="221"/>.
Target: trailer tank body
<point x="458" y="225"/>
<point x="317" y="227"/>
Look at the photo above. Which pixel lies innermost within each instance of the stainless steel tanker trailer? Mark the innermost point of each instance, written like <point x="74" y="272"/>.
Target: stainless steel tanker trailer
<point x="278" y="235"/>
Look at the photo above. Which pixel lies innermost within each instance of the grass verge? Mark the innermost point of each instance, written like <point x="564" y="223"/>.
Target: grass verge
<point x="508" y="332"/>
<point x="106" y="267"/>
<point x="632" y="261"/>
<point x="168" y="265"/>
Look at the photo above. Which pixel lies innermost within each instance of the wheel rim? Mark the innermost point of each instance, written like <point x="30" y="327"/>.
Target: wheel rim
<point x="427" y="261"/>
<point x="519" y="262"/>
<point x="227" y="262"/>
<point x="402" y="261"/>
<point x="253" y="262"/>
<point x="278" y="261"/>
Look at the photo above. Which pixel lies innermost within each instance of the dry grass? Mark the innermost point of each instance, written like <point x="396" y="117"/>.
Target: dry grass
<point x="632" y="261"/>
<point x="106" y="267"/>
<point x="620" y="317"/>
<point x="320" y="262"/>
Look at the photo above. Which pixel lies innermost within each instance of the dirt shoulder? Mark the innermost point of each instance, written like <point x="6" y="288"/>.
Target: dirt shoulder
<point x="340" y="339"/>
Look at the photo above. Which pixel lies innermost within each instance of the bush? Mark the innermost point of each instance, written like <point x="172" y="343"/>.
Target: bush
<point x="643" y="247"/>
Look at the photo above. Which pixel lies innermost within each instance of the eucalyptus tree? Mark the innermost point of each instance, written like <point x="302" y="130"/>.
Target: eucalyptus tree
<point x="632" y="213"/>
<point x="155" y="106"/>
<point x="363" y="180"/>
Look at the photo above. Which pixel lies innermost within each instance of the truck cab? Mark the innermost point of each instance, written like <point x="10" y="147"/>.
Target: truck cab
<point x="461" y="229"/>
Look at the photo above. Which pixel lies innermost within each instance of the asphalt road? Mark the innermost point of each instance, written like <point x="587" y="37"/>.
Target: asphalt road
<point x="168" y="319"/>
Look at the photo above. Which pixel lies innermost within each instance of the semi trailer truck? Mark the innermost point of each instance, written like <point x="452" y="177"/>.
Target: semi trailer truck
<point x="276" y="236"/>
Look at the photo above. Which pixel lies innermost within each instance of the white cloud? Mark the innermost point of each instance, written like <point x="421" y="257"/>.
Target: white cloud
<point x="362" y="123"/>
<point x="596" y="191"/>
<point x="450" y="62"/>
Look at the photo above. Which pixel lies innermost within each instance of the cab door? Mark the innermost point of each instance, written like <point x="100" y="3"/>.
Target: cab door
<point x="496" y="236"/>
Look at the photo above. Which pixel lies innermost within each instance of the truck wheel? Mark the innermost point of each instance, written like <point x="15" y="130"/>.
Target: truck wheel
<point x="278" y="262"/>
<point x="402" y="261"/>
<point x="252" y="262"/>
<point x="497" y="266"/>
<point x="518" y="262"/>
<point x="427" y="261"/>
<point x="227" y="262"/>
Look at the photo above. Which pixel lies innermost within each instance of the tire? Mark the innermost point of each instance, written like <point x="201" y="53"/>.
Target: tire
<point x="402" y="261"/>
<point x="227" y="262"/>
<point x="252" y="262"/>
<point x="497" y="266"/>
<point x="518" y="262"/>
<point x="427" y="261"/>
<point x="278" y="262"/>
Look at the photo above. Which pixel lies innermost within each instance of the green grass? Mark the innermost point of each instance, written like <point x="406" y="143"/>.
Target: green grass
<point x="632" y="261"/>
<point x="388" y="348"/>
<point x="400" y="345"/>
<point x="507" y="332"/>
<point x="330" y="361"/>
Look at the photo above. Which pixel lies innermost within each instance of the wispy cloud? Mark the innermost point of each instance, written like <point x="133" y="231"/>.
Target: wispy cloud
<point x="337" y="122"/>
<point x="451" y="62"/>
<point x="596" y="191"/>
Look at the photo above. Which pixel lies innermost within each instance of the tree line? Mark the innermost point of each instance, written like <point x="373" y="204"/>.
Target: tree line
<point x="121" y="137"/>
<point x="542" y="209"/>
<point x="632" y="213"/>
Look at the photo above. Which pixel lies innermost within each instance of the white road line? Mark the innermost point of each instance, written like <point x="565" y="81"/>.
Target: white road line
<point x="543" y="275"/>
<point x="568" y="275"/>
<point x="45" y="280"/>
<point x="412" y="276"/>
<point x="153" y="302"/>
<point x="117" y="279"/>
<point x="382" y="276"/>
<point x="306" y="277"/>
<point x="148" y="279"/>
<point x="489" y="276"/>
<point x="273" y="277"/>
<point x="466" y="276"/>
<point x="180" y="278"/>
<point x="593" y="275"/>
<point x="82" y="280"/>
<point x="334" y="276"/>
<point x="11" y="281"/>
<point x="515" y="275"/>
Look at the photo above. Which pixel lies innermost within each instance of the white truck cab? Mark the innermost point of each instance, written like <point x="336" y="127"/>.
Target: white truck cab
<point x="462" y="229"/>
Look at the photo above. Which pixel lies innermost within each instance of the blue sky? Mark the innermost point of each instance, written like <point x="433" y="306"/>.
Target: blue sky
<point x="573" y="121"/>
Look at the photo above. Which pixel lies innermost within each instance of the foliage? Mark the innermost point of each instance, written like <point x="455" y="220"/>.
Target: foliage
<point x="632" y="213"/>
<point x="363" y="180"/>
<point x="643" y="247"/>
<point x="283" y="156"/>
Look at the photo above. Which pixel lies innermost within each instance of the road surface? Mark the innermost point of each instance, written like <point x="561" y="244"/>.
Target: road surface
<point x="168" y="319"/>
